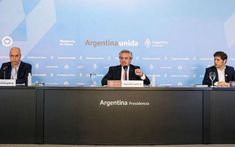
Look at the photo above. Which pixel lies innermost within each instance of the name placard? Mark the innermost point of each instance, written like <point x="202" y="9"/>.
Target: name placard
<point x="232" y="84"/>
<point x="114" y="83"/>
<point x="7" y="82"/>
<point x="133" y="83"/>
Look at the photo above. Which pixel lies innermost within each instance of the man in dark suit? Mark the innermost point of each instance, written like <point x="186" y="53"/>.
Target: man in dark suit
<point x="125" y="71"/>
<point x="15" y="69"/>
<point x="223" y="73"/>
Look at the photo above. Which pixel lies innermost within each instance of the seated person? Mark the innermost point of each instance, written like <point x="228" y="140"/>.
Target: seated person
<point x="15" y="69"/>
<point x="224" y="74"/>
<point x="125" y="71"/>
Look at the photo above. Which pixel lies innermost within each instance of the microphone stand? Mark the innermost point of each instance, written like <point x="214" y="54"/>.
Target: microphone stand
<point x="4" y="72"/>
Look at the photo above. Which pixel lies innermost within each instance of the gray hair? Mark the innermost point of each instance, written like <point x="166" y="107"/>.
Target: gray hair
<point x="16" y="48"/>
<point x="125" y="51"/>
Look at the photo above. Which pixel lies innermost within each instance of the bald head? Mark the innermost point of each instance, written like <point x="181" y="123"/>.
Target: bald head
<point x="15" y="56"/>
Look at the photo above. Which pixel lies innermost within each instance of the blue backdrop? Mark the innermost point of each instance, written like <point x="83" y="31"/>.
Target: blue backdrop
<point x="173" y="41"/>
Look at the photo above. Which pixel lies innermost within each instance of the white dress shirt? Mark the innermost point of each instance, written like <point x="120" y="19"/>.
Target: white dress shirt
<point x="14" y="72"/>
<point x="221" y="76"/>
<point x="143" y="77"/>
<point x="123" y="73"/>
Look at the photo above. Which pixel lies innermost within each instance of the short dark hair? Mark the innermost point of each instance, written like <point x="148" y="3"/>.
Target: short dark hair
<point x="221" y="54"/>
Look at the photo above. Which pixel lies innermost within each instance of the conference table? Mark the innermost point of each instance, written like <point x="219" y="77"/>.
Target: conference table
<point x="118" y="116"/>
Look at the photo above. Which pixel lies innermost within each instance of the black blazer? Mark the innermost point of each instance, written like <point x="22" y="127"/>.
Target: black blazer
<point x="229" y="75"/>
<point x="23" y="71"/>
<point x="114" y="73"/>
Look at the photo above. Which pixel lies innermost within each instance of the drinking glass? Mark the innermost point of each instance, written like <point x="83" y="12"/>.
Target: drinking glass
<point x="92" y="79"/>
<point x="212" y="76"/>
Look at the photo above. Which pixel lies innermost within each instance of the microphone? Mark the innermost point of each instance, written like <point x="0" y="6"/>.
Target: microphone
<point x="4" y="71"/>
<point x="4" y="68"/>
<point x="125" y="68"/>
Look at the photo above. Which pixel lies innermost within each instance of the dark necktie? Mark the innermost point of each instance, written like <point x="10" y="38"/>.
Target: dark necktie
<point x="125" y="75"/>
<point x="125" y="72"/>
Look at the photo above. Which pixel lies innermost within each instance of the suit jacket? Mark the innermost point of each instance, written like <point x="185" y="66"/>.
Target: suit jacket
<point x="22" y="75"/>
<point x="114" y="73"/>
<point x="229" y="75"/>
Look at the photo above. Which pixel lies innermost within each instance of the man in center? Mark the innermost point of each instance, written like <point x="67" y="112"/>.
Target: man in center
<point x="125" y="71"/>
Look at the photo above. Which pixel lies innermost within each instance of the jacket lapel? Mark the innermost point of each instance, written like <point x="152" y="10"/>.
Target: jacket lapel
<point x="226" y="74"/>
<point x="131" y="72"/>
<point x="119" y="72"/>
<point x="19" y="74"/>
<point x="217" y="75"/>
